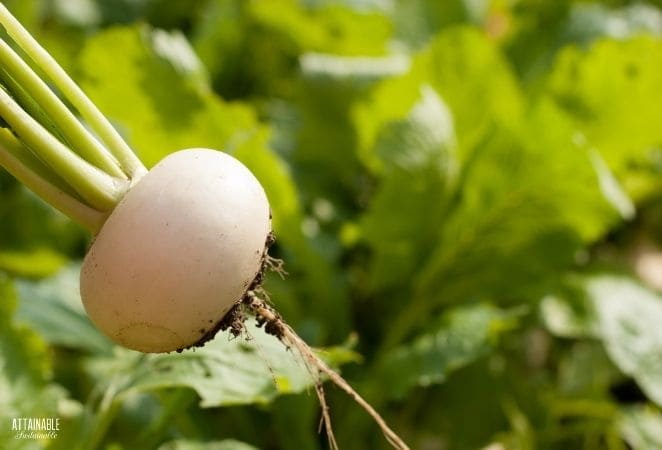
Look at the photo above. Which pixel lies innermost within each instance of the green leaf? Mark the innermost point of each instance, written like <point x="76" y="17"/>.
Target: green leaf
<point x="589" y="21"/>
<point x="77" y="12"/>
<point x="418" y="157"/>
<point x="357" y="69"/>
<point x="224" y="372"/>
<point x="528" y="201"/>
<point x="53" y="308"/>
<point x="227" y="444"/>
<point x="586" y="371"/>
<point x="37" y="262"/>
<point x="233" y="34"/>
<point x="25" y="370"/>
<point x="622" y="314"/>
<point x="468" y="70"/>
<point x="156" y="98"/>
<point x="525" y="198"/>
<point x="415" y="131"/>
<point x="626" y="319"/>
<point x="641" y="427"/>
<point x="463" y="335"/>
<point x="611" y="91"/>
<point x="19" y="344"/>
<point x="465" y="69"/>
<point x="329" y="28"/>
<point x="566" y="316"/>
<point x="418" y="21"/>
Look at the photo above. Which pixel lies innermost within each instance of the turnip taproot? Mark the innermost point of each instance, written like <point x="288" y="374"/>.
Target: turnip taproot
<point x="181" y="247"/>
<point x="178" y="252"/>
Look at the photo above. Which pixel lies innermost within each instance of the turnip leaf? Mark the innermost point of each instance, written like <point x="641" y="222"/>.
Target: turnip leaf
<point x="599" y="88"/>
<point x="52" y="307"/>
<point x="463" y="335"/>
<point x="26" y="368"/>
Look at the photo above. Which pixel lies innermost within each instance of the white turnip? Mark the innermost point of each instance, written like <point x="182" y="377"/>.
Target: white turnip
<point x="181" y="247"/>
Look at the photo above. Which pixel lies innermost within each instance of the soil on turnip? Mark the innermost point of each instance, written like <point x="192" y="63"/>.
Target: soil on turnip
<point x="234" y="319"/>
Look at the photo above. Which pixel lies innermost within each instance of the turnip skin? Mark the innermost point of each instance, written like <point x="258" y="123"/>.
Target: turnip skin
<point x="177" y="252"/>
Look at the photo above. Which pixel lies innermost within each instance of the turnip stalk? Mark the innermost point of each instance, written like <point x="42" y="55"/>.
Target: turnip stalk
<point x="127" y="159"/>
<point x="179" y="252"/>
<point x="28" y="103"/>
<point x="98" y="188"/>
<point x="79" y="137"/>
<point x="31" y="172"/>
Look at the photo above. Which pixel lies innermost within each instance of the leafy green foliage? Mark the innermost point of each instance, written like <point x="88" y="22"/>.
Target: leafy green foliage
<point x="52" y="307"/>
<point x="165" y="97"/>
<point x="418" y="153"/>
<point x="642" y="427"/>
<point x="25" y="371"/>
<point x="623" y="314"/>
<point x="224" y="372"/>
<point x="461" y="193"/>
<point x="464" y="335"/>
<point x="235" y="35"/>
<point x="627" y="141"/>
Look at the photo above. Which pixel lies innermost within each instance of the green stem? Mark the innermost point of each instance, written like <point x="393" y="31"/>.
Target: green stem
<point x="173" y="405"/>
<point x="111" y="402"/>
<point x="107" y="411"/>
<point x="23" y="165"/>
<point x="75" y="133"/>
<point x="28" y="103"/>
<point x="98" y="189"/>
<point x="125" y="156"/>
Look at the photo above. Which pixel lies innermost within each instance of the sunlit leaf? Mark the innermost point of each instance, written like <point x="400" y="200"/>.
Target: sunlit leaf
<point x="418" y="21"/>
<point x="622" y="314"/>
<point x="418" y="157"/>
<point x="331" y="28"/>
<point x="234" y="33"/>
<point x="627" y="318"/>
<point x="641" y="427"/>
<point x="589" y="21"/>
<point x="602" y="88"/>
<point x="224" y="372"/>
<point x="31" y="263"/>
<point x="468" y="74"/>
<point x="515" y="217"/>
<point x="564" y="317"/>
<point x="464" y="335"/>
<point x="159" y="106"/>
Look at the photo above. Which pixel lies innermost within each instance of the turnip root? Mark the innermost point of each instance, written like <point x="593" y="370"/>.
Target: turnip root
<point x="177" y="252"/>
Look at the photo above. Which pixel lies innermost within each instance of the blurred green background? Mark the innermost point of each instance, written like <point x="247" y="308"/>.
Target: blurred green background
<point x="467" y="195"/>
